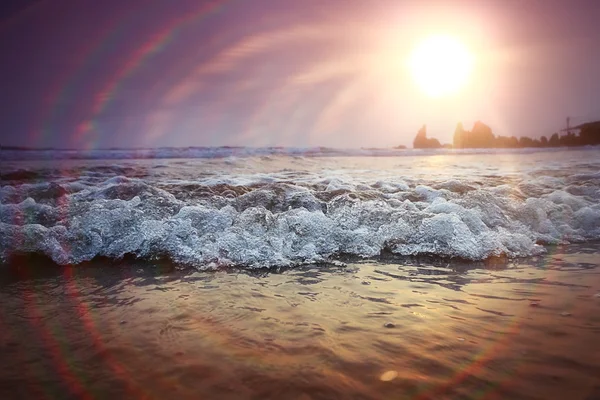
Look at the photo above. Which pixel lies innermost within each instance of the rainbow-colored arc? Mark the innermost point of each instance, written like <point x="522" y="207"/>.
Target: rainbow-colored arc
<point x="63" y="93"/>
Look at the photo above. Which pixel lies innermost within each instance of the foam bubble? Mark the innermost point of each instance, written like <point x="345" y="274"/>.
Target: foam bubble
<point x="290" y="216"/>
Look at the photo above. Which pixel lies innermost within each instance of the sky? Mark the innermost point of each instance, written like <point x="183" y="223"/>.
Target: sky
<point x="149" y="73"/>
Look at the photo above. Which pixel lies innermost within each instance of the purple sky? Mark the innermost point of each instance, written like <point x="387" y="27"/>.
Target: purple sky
<point x="145" y="73"/>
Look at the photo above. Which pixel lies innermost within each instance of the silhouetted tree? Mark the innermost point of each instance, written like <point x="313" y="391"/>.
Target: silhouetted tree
<point x="502" y="142"/>
<point x="544" y="141"/>
<point x="554" y="140"/>
<point x="525" y="141"/>
<point x="570" y="139"/>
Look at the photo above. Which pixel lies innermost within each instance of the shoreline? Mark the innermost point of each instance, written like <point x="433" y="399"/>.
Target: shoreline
<point x="33" y="261"/>
<point x="368" y="330"/>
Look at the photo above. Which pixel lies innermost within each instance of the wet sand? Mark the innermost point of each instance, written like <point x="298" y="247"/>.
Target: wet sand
<point x="367" y="330"/>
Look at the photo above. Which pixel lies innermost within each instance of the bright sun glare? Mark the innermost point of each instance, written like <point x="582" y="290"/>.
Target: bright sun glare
<point x="441" y="65"/>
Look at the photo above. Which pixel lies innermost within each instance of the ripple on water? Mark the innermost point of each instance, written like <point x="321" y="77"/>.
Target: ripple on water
<point x="312" y="332"/>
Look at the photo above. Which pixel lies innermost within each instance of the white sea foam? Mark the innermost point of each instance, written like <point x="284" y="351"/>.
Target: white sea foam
<point x="263" y="213"/>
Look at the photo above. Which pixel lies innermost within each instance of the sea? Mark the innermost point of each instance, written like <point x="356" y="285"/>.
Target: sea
<point x="300" y="273"/>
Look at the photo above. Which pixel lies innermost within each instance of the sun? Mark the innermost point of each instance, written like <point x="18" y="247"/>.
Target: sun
<point x="441" y="65"/>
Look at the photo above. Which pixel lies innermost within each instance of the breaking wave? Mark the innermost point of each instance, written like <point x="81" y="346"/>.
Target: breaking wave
<point x="278" y="221"/>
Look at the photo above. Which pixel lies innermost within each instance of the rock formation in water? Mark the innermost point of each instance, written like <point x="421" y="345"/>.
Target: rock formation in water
<point x="423" y="142"/>
<point x="479" y="137"/>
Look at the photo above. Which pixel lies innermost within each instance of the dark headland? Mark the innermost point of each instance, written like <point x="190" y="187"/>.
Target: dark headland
<point x="481" y="136"/>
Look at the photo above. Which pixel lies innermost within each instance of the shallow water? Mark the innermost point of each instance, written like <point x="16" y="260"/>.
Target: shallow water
<point x="367" y="330"/>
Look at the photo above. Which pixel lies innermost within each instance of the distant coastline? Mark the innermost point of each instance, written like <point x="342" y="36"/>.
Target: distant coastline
<point x="482" y="137"/>
<point x="479" y="137"/>
<point x="24" y="148"/>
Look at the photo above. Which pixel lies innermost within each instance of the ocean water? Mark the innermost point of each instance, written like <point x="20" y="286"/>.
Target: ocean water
<point x="273" y="210"/>
<point x="300" y="273"/>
